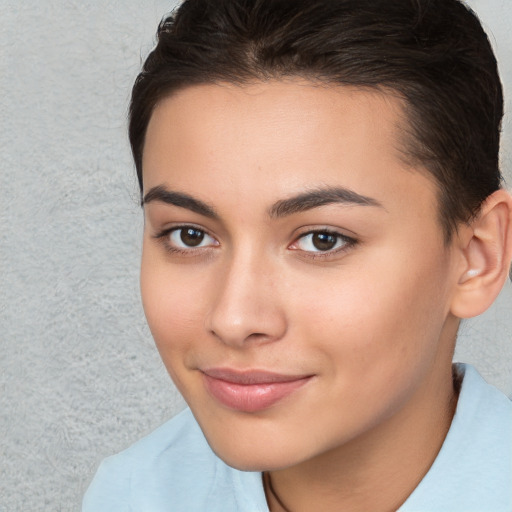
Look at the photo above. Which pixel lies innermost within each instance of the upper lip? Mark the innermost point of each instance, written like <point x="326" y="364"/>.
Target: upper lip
<point x="248" y="377"/>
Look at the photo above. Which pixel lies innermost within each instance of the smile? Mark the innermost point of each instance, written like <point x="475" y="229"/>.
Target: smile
<point x="250" y="391"/>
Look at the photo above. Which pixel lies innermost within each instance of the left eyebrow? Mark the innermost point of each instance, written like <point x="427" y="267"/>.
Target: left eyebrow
<point x="320" y="197"/>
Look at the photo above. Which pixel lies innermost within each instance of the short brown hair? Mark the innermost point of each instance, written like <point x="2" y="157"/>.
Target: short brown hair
<point x="433" y="53"/>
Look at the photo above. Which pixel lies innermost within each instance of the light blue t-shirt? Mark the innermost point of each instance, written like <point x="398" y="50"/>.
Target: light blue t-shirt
<point x="174" y="470"/>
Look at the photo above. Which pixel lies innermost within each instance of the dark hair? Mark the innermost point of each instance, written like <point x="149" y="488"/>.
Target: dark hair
<point x="433" y="54"/>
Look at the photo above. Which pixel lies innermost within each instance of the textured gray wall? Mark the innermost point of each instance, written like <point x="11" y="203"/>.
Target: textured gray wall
<point x="79" y="377"/>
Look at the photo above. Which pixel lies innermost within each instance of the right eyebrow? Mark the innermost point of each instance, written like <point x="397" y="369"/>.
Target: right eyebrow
<point x="163" y="195"/>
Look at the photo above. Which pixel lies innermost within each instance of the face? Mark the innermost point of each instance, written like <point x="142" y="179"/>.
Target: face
<point x="294" y="274"/>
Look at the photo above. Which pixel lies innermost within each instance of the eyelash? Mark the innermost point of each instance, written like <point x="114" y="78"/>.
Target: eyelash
<point x="347" y="242"/>
<point x="164" y="238"/>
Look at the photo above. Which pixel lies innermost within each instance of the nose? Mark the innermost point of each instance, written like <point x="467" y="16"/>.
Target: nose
<point x="246" y="307"/>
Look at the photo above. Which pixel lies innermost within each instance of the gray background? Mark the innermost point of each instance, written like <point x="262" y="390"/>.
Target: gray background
<point x="79" y="376"/>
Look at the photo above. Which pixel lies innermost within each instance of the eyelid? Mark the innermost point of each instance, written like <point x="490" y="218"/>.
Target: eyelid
<point x="163" y="236"/>
<point x="347" y="243"/>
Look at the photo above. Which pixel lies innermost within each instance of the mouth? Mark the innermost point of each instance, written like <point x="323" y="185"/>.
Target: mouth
<point x="250" y="391"/>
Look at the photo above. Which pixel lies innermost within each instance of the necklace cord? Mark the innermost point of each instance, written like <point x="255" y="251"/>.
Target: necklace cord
<point x="267" y="481"/>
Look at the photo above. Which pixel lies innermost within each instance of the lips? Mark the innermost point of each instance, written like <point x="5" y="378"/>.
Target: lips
<point x="250" y="391"/>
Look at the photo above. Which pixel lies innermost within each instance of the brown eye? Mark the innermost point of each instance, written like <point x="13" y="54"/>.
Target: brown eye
<point x="324" y="241"/>
<point x="191" y="237"/>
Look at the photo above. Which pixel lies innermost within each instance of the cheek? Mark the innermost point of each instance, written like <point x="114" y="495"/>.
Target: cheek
<point x="374" y="335"/>
<point x="173" y="304"/>
<point x="385" y="314"/>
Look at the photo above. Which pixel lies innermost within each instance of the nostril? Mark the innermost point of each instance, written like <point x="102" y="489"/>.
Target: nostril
<point x="262" y="328"/>
<point x="258" y="336"/>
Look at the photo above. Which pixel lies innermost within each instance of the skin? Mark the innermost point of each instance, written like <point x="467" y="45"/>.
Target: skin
<point x="371" y="320"/>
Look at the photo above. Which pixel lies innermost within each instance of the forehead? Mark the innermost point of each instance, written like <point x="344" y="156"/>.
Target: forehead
<point x="271" y="140"/>
<point x="227" y="111"/>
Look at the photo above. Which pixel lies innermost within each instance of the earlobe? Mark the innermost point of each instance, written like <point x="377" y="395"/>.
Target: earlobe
<point x="486" y="252"/>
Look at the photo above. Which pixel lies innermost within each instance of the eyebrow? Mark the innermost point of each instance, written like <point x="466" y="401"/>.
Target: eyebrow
<point x="163" y="195"/>
<point x="320" y="197"/>
<point x="296" y="204"/>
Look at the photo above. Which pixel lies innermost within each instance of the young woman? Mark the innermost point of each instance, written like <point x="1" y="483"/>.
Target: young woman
<point x="323" y="205"/>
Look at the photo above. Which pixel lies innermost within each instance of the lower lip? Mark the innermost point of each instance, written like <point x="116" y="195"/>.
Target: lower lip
<point x="251" y="397"/>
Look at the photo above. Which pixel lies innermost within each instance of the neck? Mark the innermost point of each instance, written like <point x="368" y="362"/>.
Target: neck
<point x="378" y="470"/>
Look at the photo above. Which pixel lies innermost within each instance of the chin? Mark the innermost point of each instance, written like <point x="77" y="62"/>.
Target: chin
<point x="254" y="456"/>
<point x="254" y="461"/>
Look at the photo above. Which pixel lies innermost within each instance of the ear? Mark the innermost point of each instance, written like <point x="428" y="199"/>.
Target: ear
<point x="486" y="252"/>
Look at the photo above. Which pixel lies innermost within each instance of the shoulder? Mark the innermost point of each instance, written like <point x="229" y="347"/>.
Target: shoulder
<point x="172" y="469"/>
<point x="473" y="471"/>
<point x="113" y="485"/>
<point x="482" y="426"/>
